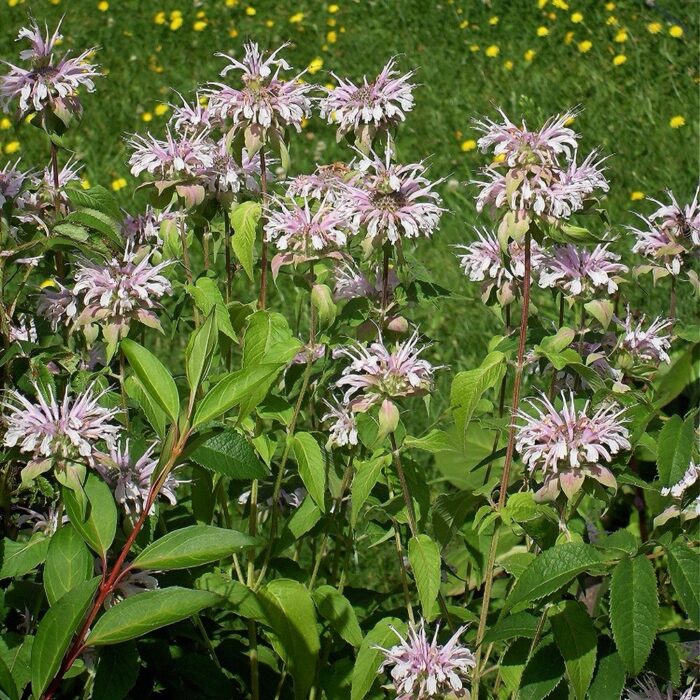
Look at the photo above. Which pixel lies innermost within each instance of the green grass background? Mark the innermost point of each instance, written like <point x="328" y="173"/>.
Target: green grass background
<point x="626" y="108"/>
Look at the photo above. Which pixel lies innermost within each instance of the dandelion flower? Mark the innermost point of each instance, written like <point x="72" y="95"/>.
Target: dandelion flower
<point x="619" y="60"/>
<point x="677" y="121"/>
<point x="676" y="31"/>
<point x="585" y="46"/>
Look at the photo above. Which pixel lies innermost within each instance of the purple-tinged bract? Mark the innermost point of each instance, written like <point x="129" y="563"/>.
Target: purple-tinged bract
<point x="650" y="345"/>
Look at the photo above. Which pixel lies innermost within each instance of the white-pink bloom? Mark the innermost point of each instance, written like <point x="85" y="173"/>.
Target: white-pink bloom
<point x="329" y="182"/>
<point x="422" y="669"/>
<point x="650" y="345"/>
<point x="66" y="430"/>
<point x="395" y="201"/>
<point x="376" y="373"/>
<point x="131" y="584"/>
<point x="177" y="157"/>
<point x="351" y="283"/>
<point x="194" y="116"/>
<point x="12" y="180"/>
<point x="687" y="508"/>
<point x="59" y="308"/>
<point x="647" y="689"/>
<point x="146" y="227"/>
<point x="568" y="445"/>
<point x="342" y="425"/>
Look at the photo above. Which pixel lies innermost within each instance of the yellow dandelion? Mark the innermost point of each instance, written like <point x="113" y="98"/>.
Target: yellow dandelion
<point x="332" y="37"/>
<point x="609" y="6"/>
<point x="147" y="116"/>
<point x="331" y="21"/>
<point x="161" y="108"/>
<point x="250" y="11"/>
<point x="159" y="17"/>
<point x="468" y="145"/>
<point x="493" y="21"/>
<point x="103" y="6"/>
<point x="48" y="283"/>
<point x="269" y="23"/>
<point x="296" y="18"/>
<point x="231" y="3"/>
<point x="637" y="195"/>
<point x="492" y="51"/>
<point x="315" y="65"/>
<point x="560" y="5"/>
<point x="585" y="46"/>
<point x="329" y="86"/>
<point x="333" y="9"/>
<point x="621" y="36"/>
<point x="176" y="23"/>
<point x="577" y="18"/>
<point x="675" y="31"/>
<point x="85" y="183"/>
<point x="542" y="3"/>
<point x="200" y="25"/>
<point x="474" y="48"/>
<point x="611" y="21"/>
<point x="675" y="123"/>
<point x="619" y="59"/>
<point x="233" y="32"/>
<point x="5" y="124"/>
<point x="542" y="31"/>
<point x="464" y="24"/>
<point x="552" y="16"/>
<point x="14" y="146"/>
<point x="654" y="27"/>
<point x="568" y="38"/>
<point x="508" y="65"/>
<point x="119" y="184"/>
<point x="203" y="100"/>
<point x="175" y="13"/>
<point x="201" y="14"/>
<point x="529" y="55"/>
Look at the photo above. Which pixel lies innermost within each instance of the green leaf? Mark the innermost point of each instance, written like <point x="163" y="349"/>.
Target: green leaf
<point x="424" y="556"/>
<point x="675" y="447"/>
<point x="154" y="377"/>
<point x="542" y="673"/>
<point x="99" y="524"/>
<point x="290" y="609"/>
<point x="366" y="476"/>
<point x="19" y="558"/>
<point x="684" y="567"/>
<point x="268" y="338"/>
<point x="117" y="671"/>
<point x="522" y="624"/>
<point x="96" y="197"/>
<point x="98" y="221"/>
<point x="434" y="441"/>
<point x="230" y="454"/>
<point x="140" y="614"/>
<point x="68" y="563"/>
<point x="551" y="570"/>
<point x="369" y="657"/>
<point x="312" y="467"/>
<point x="7" y="682"/>
<point x="199" y="352"/>
<point x="513" y="663"/>
<point x="468" y="388"/>
<point x="576" y="638"/>
<point x="609" y="678"/>
<point x="336" y="608"/>
<point x="233" y="389"/>
<point x="244" y="221"/>
<point x="192" y="546"/>
<point x="237" y="596"/>
<point x="207" y="296"/>
<point x="634" y="611"/>
<point x="153" y="412"/>
<point x="55" y="632"/>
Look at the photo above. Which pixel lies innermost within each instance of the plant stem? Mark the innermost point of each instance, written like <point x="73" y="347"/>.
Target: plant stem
<point x="385" y="278"/>
<point x="227" y="254"/>
<point x="262" y="297"/>
<point x="412" y="523"/>
<point x="491" y="560"/>
<point x="250" y="580"/>
<point x="60" y="266"/>
<point x="672" y="304"/>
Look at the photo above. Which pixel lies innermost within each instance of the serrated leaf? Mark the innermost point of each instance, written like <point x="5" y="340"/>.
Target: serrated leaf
<point x="55" y="632"/>
<point x="634" y="611"/>
<point x="674" y="449"/>
<point x="154" y="377"/>
<point x="192" y="546"/>
<point x="522" y="624"/>
<point x="576" y="638"/>
<point x="552" y="569"/>
<point x="244" y="221"/>
<point x="19" y="558"/>
<point x="117" y="671"/>
<point x="98" y="524"/>
<point x="207" y="296"/>
<point x="542" y="674"/>
<point x="684" y="567"/>
<point x="68" y="563"/>
<point x="366" y="476"/>
<point x="424" y="556"/>
<point x="230" y="454"/>
<point x="100" y="222"/>
<point x="369" y="657"/>
<point x="140" y="614"/>
<point x="336" y="608"/>
<point x="312" y="467"/>
<point x="609" y="678"/>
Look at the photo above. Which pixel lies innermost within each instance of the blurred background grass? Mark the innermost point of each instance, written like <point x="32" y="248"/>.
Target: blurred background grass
<point x="632" y="66"/>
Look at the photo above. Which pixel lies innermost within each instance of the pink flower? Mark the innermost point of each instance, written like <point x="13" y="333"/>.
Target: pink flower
<point x="422" y="669"/>
<point x="393" y="200"/>
<point x="133" y="583"/>
<point x="175" y="158"/>
<point x="343" y="429"/>
<point x="120" y="291"/>
<point x="68" y="430"/>
<point x="376" y="373"/>
<point x="192" y="116"/>
<point x="326" y="182"/>
<point x="146" y="228"/>
<point x="39" y="202"/>
<point x="266" y="101"/>
<point x="351" y="283"/>
<point x="649" y="345"/>
<point x="648" y="689"/>
<point x="59" y="307"/>
<point x="371" y="106"/>
<point x="12" y="180"/>
<point x="568" y="445"/>
<point x="131" y="478"/>
<point x="48" y="84"/>
<point x="580" y="272"/>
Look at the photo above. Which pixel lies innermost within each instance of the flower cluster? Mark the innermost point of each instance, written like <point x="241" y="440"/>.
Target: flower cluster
<point x="648" y="345"/>
<point x="685" y="508"/>
<point x="343" y="429"/>
<point x="567" y="445"/>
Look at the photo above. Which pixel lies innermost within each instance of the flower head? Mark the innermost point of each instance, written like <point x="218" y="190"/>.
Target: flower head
<point x="49" y="84"/>
<point x="133" y="583"/>
<point x="131" y="478"/>
<point x="567" y="445"/>
<point x="395" y="201"/>
<point x="370" y="107"/>
<point x="423" y="669"/>
<point x="120" y="291"/>
<point x="65" y="431"/>
<point x="650" y="345"/>
<point x="343" y="429"/>
<point x="265" y="101"/>
<point x="351" y="283"/>
<point x="58" y="307"/>
<point x="146" y="228"/>
<point x="12" y="179"/>
<point x="376" y="373"/>
<point x="579" y="271"/>
<point x="648" y="689"/>
<point x="326" y="182"/>
<point x="193" y="116"/>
